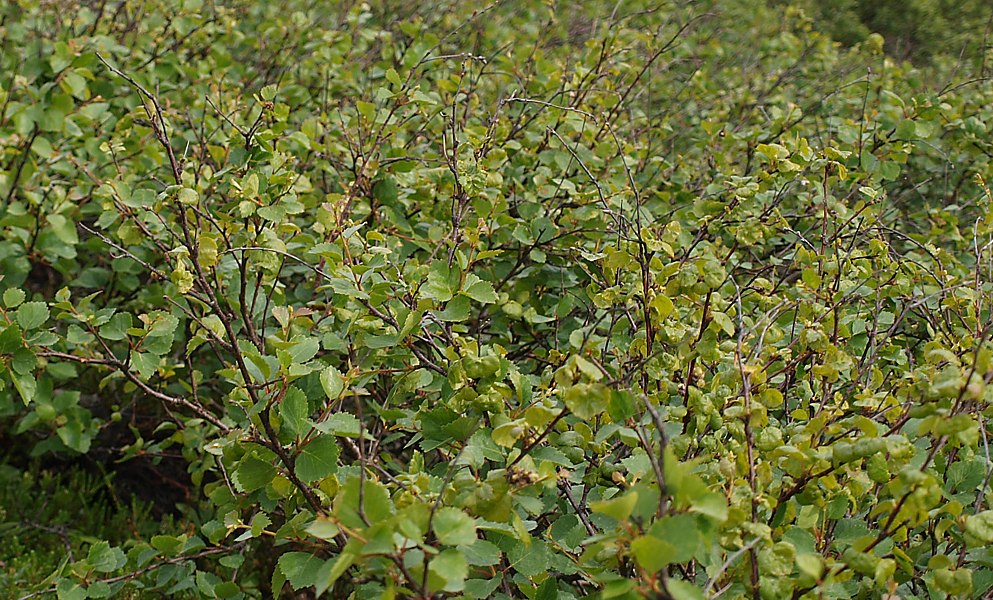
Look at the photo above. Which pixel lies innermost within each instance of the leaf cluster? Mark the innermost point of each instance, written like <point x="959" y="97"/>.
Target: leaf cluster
<point x="506" y="300"/>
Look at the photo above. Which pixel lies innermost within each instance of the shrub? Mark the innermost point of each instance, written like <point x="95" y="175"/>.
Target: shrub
<point x="526" y="300"/>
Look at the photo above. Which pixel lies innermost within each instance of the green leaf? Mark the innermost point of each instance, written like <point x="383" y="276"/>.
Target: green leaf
<point x="619" y="508"/>
<point x="304" y="349"/>
<point x="773" y="152"/>
<point x="67" y="590"/>
<point x="294" y="410"/>
<point x="778" y="560"/>
<point x="481" y="553"/>
<point x="980" y="526"/>
<point x="621" y="406"/>
<point x="42" y="147"/>
<point x="456" y="310"/>
<point x="684" y="590"/>
<point x="23" y="361"/>
<point x="810" y="565"/>
<point x="587" y="400"/>
<point x="74" y="436"/>
<point x="323" y="528"/>
<point x="31" y="315"/>
<point x="508" y="433"/>
<point x="301" y="569"/>
<point x="529" y="556"/>
<point x="479" y="290"/>
<point x="953" y="582"/>
<point x="449" y="571"/>
<point x="652" y="553"/>
<point x="145" y="363"/>
<point x="253" y="473"/>
<point x="712" y="505"/>
<point x="10" y="339"/>
<point x="682" y="532"/>
<point x="724" y="321"/>
<point x="61" y="56"/>
<point x="845" y="452"/>
<point x="441" y="283"/>
<point x="906" y="130"/>
<point x="341" y="424"/>
<point x="182" y="278"/>
<point x="105" y="559"/>
<point x="366" y="109"/>
<point x="332" y="382"/>
<point x="453" y="527"/>
<point x="482" y="588"/>
<point x="318" y="459"/>
<point x="12" y="297"/>
<point x="169" y="545"/>
<point x="663" y="305"/>
<point x="206" y="251"/>
<point x="187" y="196"/>
<point x="25" y="384"/>
<point x="53" y="119"/>
<point x="268" y="93"/>
<point x="117" y="327"/>
<point x="386" y="190"/>
<point x="375" y="503"/>
<point x="335" y="568"/>
<point x="63" y="228"/>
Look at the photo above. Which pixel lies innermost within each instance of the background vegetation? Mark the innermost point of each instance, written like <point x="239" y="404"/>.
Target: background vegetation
<point x="514" y="300"/>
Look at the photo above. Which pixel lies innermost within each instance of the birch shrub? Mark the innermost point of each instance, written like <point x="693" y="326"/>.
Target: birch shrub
<point x="512" y="300"/>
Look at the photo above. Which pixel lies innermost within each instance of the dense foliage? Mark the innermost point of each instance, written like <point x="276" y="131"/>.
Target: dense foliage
<point x="513" y="300"/>
<point x="924" y="31"/>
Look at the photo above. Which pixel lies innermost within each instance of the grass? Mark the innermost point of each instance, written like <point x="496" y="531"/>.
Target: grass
<point x="49" y="517"/>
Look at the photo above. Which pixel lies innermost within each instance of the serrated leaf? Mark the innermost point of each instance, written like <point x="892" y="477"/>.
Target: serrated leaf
<point x="104" y="558"/>
<point x="31" y="315"/>
<point x="182" y="278"/>
<point x="374" y="501"/>
<point x="253" y="473"/>
<point x="481" y="553"/>
<point x="12" y="297"/>
<point x="587" y="400"/>
<point x="479" y="290"/>
<point x="294" y="410"/>
<point x="318" y="459"/>
<point x="117" y="327"/>
<point x="453" y="527"/>
<point x="441" y="283"/>
<point x="340" y="424"/>
<point x="301" y="569"/>
<point x="508" y="433"/>
<point x="456" y="310"/>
